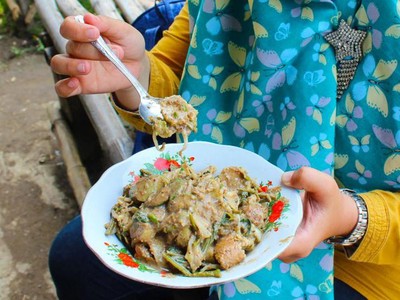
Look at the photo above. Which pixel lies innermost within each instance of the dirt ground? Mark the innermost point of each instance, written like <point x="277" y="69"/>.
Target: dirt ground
<point x="36" y="199"/>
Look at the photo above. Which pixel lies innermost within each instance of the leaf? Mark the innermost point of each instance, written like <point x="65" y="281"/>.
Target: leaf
<point x="152" y="169"/>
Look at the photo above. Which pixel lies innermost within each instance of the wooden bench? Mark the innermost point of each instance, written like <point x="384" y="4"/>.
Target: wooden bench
<point x="87" y="127"/>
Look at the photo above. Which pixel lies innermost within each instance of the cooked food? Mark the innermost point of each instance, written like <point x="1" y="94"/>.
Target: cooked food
<point x="179" y="117"/>
<point x="194" y="223"/>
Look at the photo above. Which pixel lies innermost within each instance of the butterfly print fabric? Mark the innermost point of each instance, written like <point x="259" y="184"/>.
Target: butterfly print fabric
<point x="263" y="77"/>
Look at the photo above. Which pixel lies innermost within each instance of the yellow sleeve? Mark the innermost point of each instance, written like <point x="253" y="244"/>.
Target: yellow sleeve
<point x="373" y="268"/>
<point x="168" y="56"/>
<point x="167" y="59"/>
<point x="382" y="239"/>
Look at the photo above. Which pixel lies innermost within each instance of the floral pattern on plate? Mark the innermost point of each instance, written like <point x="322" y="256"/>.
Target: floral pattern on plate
<point x="163" y="164"/>
<point x="284" y="219"/>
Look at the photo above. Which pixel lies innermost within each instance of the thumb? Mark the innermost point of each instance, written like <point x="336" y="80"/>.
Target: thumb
<point x="308" y="179"/>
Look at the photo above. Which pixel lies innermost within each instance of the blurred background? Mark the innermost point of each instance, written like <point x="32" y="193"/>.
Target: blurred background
<point x="36" y="199"/>
<point x="51" y="150"/>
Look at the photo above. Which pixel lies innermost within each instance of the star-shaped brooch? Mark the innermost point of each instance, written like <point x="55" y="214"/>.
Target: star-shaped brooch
<point x="347" y="44"/>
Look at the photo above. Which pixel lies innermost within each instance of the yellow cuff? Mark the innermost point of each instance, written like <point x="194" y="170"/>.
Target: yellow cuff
<point x="378" y="226"/>
<point x="132" y="118"/>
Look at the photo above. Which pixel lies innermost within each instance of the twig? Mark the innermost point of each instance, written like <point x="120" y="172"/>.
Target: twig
<point x="30" y="14"/>
<point x="14" y="8"/>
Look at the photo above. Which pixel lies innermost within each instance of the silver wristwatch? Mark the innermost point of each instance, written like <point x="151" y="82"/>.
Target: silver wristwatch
<point x="361" y="226"/>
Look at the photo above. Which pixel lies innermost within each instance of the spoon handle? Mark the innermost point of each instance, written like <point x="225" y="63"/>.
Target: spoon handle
<point x="102" y="46"/>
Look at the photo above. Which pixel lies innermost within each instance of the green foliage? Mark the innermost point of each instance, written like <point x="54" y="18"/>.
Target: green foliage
<point x="36" y="46"/>
<point x="3" y="20"/>
<point x="7" y="25"/>
<point x="29" y="33"/>
<point x="86" y="4"/>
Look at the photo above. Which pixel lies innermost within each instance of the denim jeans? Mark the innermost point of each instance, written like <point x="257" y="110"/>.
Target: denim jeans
<point x="78" y="274"/>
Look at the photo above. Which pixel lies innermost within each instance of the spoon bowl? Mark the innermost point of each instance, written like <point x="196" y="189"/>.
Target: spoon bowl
<point x="149" y="106"/>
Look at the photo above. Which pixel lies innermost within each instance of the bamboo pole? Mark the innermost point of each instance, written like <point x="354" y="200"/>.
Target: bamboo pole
<point x="130" y="9"/>
<point x="106" y="8"/>
<point x="52" y="19"/>
<point x="112" y="135"/>
<point x="76" y="172"/>
<point x="71" y="7"/>
<point x="114" y="138"/>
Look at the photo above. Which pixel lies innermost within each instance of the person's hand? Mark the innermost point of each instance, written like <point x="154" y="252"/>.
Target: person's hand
<point x="326" y="211"/>
<point x="88" y="71"/>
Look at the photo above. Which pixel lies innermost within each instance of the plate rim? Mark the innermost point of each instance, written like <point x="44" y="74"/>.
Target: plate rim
<point x="212" y="280"/>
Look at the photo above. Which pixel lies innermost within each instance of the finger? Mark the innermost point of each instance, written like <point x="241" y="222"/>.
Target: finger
<point x="309" y="179"/>
<point x="108" y="27"/>
<point x="119" y="32"/>
<point x="88" y="51"/>
<point x="68" y="87"/>
<point x="83" y="50"/>
<point x="73" y="30"/>
<point x="300" y="247"/>
<point x="289" y="259"/>
<point x="65" y="65"/>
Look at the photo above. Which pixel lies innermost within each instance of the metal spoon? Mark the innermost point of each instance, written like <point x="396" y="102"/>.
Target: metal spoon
<point x="149" y="105"/>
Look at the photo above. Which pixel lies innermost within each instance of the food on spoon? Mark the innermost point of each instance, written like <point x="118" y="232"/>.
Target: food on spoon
<point x="178" y="117"/>
<point x="193" y="223"/>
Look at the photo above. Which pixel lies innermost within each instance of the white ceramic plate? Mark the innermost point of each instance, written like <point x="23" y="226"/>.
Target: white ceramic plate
<point x="103" y="195"/>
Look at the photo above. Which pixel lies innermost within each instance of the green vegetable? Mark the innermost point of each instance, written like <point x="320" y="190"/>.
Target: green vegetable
<point x="152" y="218"/>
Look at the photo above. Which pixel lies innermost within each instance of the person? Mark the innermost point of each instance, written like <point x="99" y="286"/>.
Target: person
<point x="312" y="86"/>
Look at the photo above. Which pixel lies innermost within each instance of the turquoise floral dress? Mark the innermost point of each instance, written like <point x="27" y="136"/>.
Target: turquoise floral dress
<point x="263" y="77"/>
